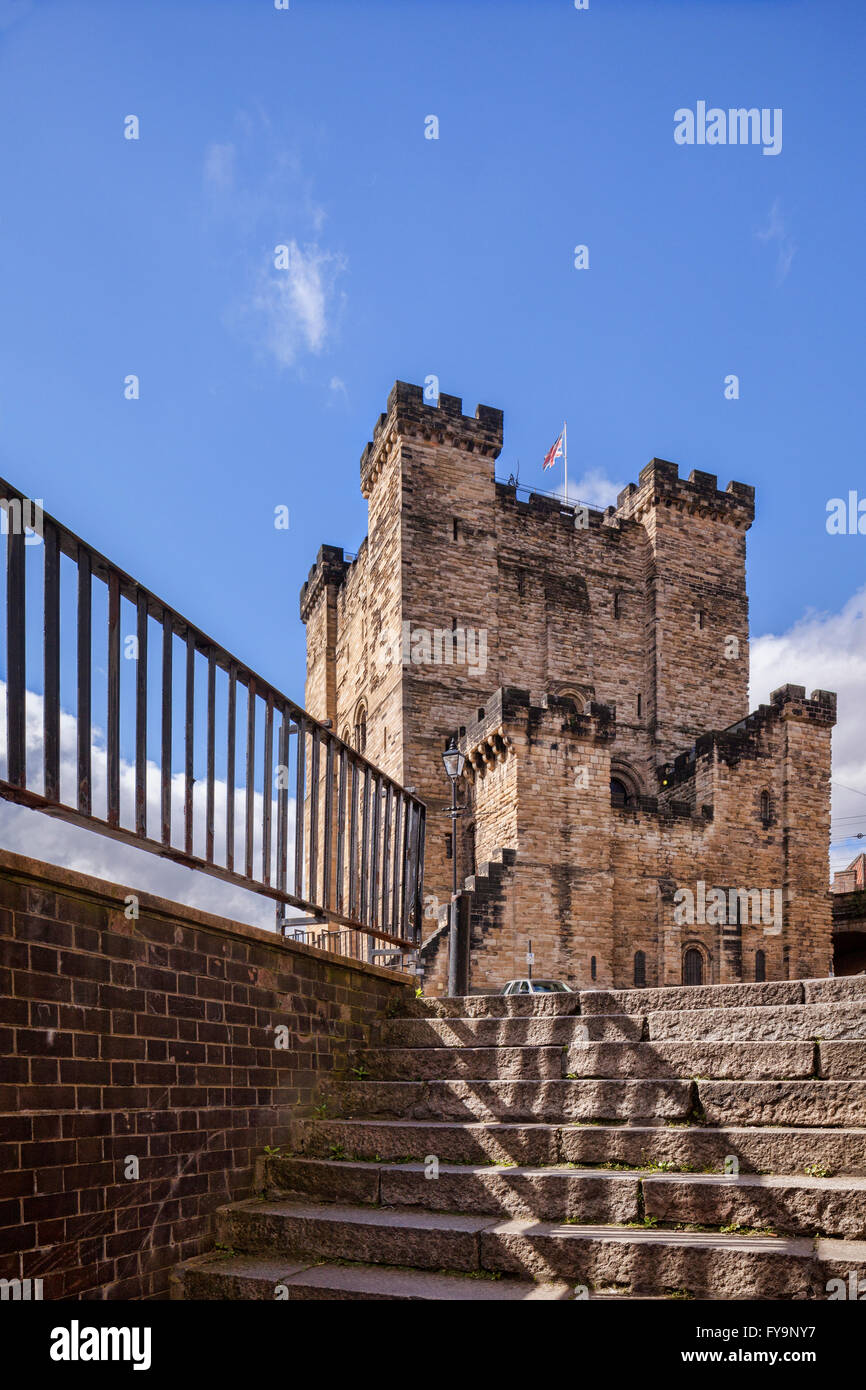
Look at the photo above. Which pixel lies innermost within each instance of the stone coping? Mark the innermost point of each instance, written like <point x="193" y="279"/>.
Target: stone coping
<point x="22" y="868"/>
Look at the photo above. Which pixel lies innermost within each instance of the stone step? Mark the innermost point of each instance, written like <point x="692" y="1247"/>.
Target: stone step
<point x="493" y="1006"/>
<point x="780" y="1150"/>
<point x="367" y="1235"/>
<point x="553" y="1031"/>
<point x="790" y="1204"/>
<point x="824" y="1104"/>
<point x="760" y="1023"/>
<point x="550" y="1194"/>
<point x="660" y="1100"/>
<point x="706" y="1264"/>
<point x="744" y="1060"/>
<point x="644" y="1001"/>
<point x="793" y="1205"/>
<point x="632" y="1258"/>
<point x="256" y="1277"/>
<point x="472" y="1063"/>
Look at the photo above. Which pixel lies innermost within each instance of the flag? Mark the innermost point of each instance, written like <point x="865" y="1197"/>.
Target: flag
<point x="553" y="453"/>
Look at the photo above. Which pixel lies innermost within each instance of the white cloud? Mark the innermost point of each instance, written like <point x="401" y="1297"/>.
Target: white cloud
<point x="777" y="232"/>
<point x="593" y="486"/>
<point x="258" y="198"/>
<point x="55" y="841"/>
<point x="295" y="304"/>
<point x="827" y="651"/>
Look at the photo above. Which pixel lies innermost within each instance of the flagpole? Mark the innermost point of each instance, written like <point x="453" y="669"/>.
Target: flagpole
<point x="565" y="458"/>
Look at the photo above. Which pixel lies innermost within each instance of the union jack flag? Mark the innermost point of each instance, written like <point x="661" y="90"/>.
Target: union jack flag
<point x="553" y="453"/>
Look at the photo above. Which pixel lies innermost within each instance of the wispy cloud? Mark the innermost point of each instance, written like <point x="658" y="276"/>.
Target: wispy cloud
<point x="257" y="198"/>
<point x="296" y="305"/>
<point x="827" y="651"/>
<point x="592" y="486"/>
<point x="776" y="233"/>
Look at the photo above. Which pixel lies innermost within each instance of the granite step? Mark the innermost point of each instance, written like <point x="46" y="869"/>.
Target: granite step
<point x="661" y="1100"/>
<point x="759" y="1023"/>
<point x="793" y="1205"/>
<point x="550" y="1194"/>
<point x="684" y="1147"/>
<point x="472" y="1063"/>
<point x="553" y="1031"/>
<point x="824" y="1104"/>
<point x="636" y="1259"/>
<point x="609" y="1060"/>
<point x="255" y="1277"/>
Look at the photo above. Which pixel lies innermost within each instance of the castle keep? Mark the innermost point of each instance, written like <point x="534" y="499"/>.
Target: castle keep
<point x="622" y="808"/>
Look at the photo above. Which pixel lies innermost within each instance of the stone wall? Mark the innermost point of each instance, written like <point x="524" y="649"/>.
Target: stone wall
<point x="149" y="1041"/>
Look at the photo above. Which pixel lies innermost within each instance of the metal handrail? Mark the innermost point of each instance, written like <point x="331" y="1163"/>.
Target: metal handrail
<point x="358" y="849"/>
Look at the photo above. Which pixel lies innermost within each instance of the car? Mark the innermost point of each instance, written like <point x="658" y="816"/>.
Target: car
<point x="528" y="986"/>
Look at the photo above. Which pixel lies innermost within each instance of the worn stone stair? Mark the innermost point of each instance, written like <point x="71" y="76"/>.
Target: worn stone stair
<point x="659" y="1143"/>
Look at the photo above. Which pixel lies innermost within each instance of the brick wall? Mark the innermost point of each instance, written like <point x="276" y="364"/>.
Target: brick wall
<point x="151" y="1040"/>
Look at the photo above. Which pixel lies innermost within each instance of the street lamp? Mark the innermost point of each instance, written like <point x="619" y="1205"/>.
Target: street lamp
<point x="453" y="760"/>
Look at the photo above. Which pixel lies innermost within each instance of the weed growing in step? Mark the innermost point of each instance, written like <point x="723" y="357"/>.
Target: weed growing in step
<point x="817" y="1170"/>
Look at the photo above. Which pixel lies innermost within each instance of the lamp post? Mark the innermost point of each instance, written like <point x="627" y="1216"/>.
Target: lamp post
<point x="453" y="760"/>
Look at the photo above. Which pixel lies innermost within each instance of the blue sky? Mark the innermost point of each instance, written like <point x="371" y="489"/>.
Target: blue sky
<point x="454" y="256"/>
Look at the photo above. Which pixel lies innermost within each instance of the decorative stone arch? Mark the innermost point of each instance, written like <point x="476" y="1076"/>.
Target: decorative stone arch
<point x="696" y="963"/>
<point x="626" y="787"/>
<point x="579" y="694"/>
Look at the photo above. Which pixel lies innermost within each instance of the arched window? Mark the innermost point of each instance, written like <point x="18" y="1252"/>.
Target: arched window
<point x="693" y="966"/>
<point x="361" y="727"/>
<point x="760" y="965"/>
<point x="765" y="808"/>
<point x="639" y="969"/>
<point x="347" y="735"/>
<point x="625" y="786"/>
<point x="619" y="793"/>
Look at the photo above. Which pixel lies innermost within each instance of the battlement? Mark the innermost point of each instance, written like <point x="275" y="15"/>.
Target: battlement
<point x="660" y="484"/>
<point x="745" y="739"/>
<point x="330" y="568"/>
<point x="409" y="416"/>
<point x="510" y="708"/>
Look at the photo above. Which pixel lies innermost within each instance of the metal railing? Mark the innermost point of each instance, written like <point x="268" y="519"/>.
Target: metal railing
<point x="350" y="849"/>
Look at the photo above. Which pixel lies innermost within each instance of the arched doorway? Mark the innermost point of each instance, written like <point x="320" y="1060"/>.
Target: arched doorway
<point x="693" y="966"/>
